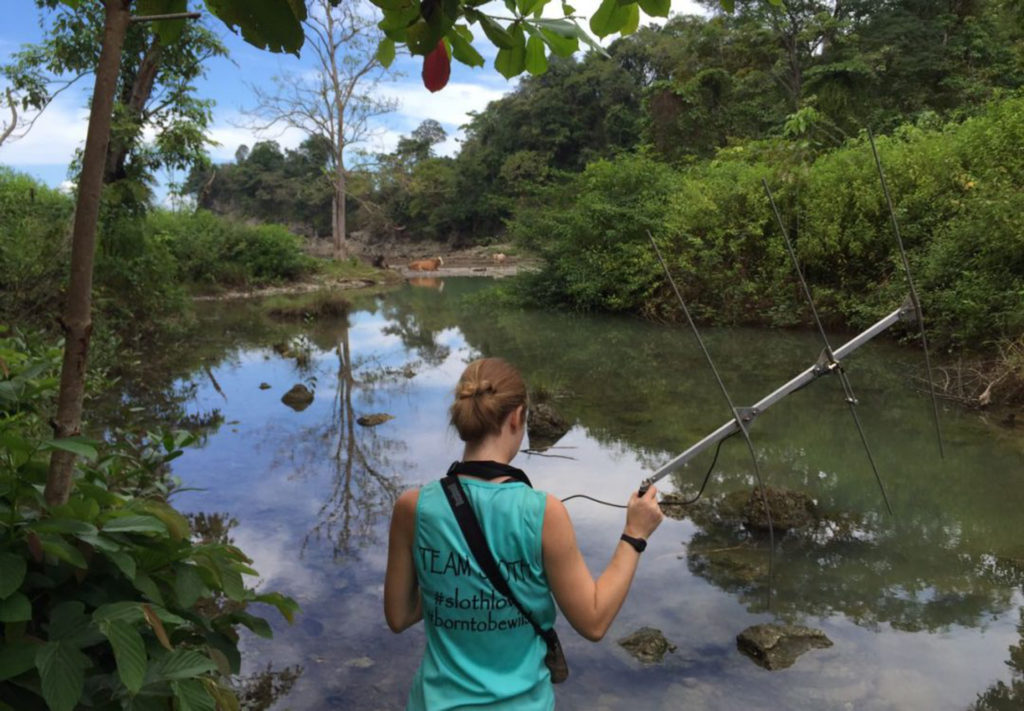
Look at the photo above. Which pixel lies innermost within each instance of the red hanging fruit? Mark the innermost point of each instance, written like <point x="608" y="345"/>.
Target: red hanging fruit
<point x="437" y="67"/>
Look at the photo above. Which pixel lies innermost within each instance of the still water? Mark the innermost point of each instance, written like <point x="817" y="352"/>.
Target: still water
<point x="923" y="606"/>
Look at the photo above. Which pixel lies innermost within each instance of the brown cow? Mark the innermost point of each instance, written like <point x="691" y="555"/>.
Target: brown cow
<point x="426" y="265"/>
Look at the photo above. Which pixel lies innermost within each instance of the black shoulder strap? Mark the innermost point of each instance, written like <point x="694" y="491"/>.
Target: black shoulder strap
<point x="478" y="545"/>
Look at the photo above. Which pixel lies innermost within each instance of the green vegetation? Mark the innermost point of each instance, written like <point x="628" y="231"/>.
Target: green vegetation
<point x="111" y="600"/>
<point x="145" y="263"/>
<point x="956" y="190"/>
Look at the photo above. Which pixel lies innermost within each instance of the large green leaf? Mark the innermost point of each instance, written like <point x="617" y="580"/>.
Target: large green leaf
<point x="560" y="44"/>
<point x="61" y="669"/>
<point x="656" y="8"/>
<point x="15" y="608"/>
<point x="511" y="62"/>
<point x="134" y="524"/>
<point x="536" y="60"/>
<point x="177" y="525"/>
<point x="17" y="656"/>
<point x="192" y="696"/>
<point x="69" y="622"/>
<point x="275" y="25"/>
<point x="128" y="612"/>
<point x="129" y="652"/>
<point x="167" y="30"/>
<point x="183" y="664"/>
<point x="188" y="585"/>
<point x="12" y="573"/>
<point x="609" y="18"/>
<point x="463" y="51"/>
<point x="284" y="604"/>
<point x="56" y="546"/>
<point x="80" y="446"/>
<point x="386" y="52"/>
<point x="63" y="525"/>
<point x="124" y="562"/>
<point x="497" y="34"/>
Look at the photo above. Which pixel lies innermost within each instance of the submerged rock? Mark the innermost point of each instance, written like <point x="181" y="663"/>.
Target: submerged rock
<point x="789" y="509"/>
<point x="647" y="644"/>
<point x="298" y="398"/>
<point x="545" y="426"/>
<point x="778" y="646"/>
<point x="374" y="420"/>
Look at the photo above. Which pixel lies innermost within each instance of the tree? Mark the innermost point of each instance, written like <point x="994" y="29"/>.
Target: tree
<point x="274" y="25"/>
<point x="339" y="101"/>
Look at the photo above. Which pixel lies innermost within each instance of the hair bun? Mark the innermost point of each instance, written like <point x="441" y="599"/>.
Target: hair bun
<point x="471" y="389"/>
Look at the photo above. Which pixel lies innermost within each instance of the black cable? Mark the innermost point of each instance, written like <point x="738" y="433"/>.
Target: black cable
<point x="707" y="477"/>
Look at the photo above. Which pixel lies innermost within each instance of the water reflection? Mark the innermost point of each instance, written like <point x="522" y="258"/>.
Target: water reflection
<point x="902" y="596"/>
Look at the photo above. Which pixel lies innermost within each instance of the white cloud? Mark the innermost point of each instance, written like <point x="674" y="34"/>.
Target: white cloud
<point x="57" y="133"/>
<point x="229" y="132"/>
<point x="450" y="106"/>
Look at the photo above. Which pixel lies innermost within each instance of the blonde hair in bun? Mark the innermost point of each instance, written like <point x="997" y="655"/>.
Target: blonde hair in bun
<point x="489" y="389"/>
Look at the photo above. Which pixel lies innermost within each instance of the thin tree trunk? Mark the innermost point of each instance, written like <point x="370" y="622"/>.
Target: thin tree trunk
<point x="134" y="101"/>
<point x="340" y="244"/>
<point x="77" y="319"/>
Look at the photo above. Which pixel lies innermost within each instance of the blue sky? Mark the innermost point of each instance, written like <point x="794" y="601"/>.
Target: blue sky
<point x="47" y="149"/>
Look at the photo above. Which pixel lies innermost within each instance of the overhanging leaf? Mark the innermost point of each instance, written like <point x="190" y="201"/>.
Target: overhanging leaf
<point x="511" y="62"/>
<point x="386" y="52"/>
<point x="15" y="608"/>
<point x="284" y="604"/>
<point x="61" y="670"/>
<point x="177" y="525"/>
<point x="183" y="664"/>
<point x="609" y="18"/>
<point x="129" y="652"/>
<point x="275" y="25"/>
<point x="497" y="34"/>
<point x="192" y="696"/>
<point x="17" y="656"/>
<point x="656" y="8"/>
<point x="536" y="60"/>
<point x="76" y="445"/>
<point x="463" y="51"/>
<point x="134" y="524"/>
<point x="188" y="585"/>
<point x="12" y="573"/>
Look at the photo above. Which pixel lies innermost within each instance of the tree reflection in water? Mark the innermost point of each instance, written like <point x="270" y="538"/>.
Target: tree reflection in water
<point x="910" y="573"/>
<point x="1007" y="697"/>
<point x="363" y="489"/>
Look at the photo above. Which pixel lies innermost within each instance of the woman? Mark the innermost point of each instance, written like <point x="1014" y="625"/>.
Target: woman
<point x="481" y="652"/>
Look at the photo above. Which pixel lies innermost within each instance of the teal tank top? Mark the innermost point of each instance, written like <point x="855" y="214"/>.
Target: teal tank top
<point x="481" y="652"/>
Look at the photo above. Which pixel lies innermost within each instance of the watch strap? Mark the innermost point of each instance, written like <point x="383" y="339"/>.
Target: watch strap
<point x="639" y="544"/>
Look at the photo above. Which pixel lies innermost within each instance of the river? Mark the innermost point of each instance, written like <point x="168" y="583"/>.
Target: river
<point x="923" y="606"/>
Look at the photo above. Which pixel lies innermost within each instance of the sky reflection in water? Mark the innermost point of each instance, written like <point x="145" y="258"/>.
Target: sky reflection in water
<point x="922" y="608"/>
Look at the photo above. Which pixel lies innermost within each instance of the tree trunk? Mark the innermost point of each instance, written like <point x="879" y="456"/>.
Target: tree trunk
<point x="340" y="243"/>
<point x="134" y="101"/>
<point x="77" y="319"/>
<point x="14" y="118"/>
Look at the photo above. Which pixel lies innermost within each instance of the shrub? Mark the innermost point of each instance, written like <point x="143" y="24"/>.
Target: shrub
<point x="108" y="601"/>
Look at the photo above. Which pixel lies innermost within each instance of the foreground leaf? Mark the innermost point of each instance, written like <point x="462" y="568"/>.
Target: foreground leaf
<point x="61" y="669"/>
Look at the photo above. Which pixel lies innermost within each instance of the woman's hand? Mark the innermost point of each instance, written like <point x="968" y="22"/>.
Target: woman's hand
<point x="643" y="515"/>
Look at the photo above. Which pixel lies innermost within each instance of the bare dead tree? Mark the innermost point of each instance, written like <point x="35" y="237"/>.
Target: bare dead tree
<point x="339" y="100"/>
<point x="6" y="131"/>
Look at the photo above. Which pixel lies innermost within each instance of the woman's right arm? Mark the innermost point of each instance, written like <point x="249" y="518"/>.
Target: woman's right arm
<point x="590" y="605"/>
<point x="402" y="608"/>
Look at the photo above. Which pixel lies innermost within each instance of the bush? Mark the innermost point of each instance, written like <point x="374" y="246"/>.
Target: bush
<point x="956" y="191"/>
<point x="212" y="250"/>
<point x="108" y="601"/>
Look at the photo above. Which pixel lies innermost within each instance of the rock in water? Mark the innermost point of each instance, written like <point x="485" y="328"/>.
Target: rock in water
<point x="778" y="646"/>
<point x="790" y="509"/>
<point x="298" y="398"/>
<point x="264" y="386"/>
<point x="545" y="426"/>
<point x="374" y="420"/>
<point x="647" y="644"/>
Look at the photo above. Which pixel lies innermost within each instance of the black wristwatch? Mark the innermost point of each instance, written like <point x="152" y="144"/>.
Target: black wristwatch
<point x="639" y="544"/>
